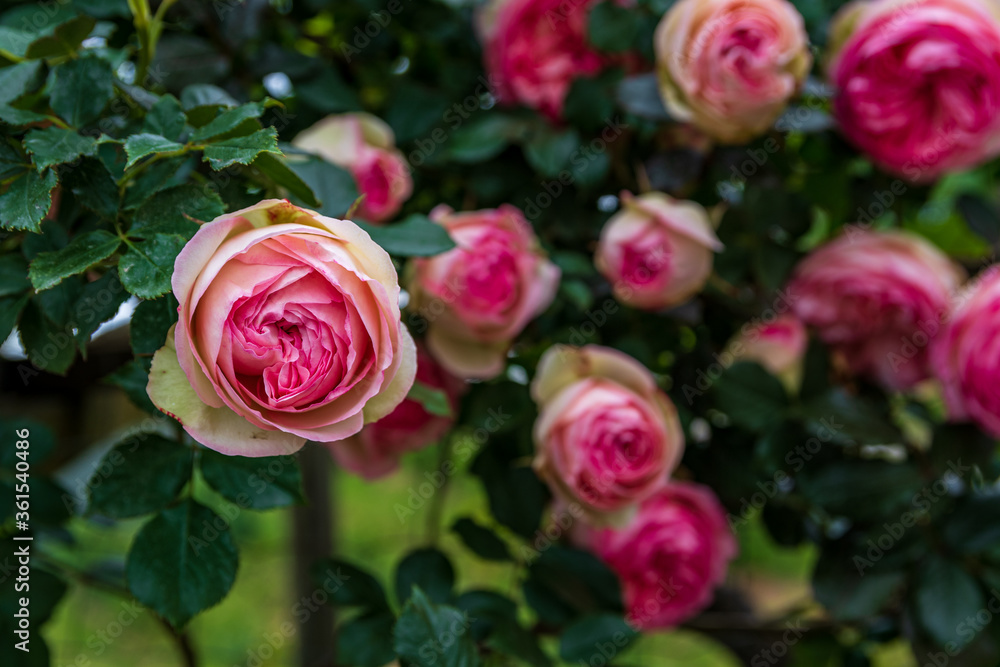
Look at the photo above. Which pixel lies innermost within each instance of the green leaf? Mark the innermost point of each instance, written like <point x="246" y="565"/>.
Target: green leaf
<point x="181" y="563"/>
<point x="862" y="490"/>
<point x="565" y="582"/>
<point x="65" y="40"/>
<point x="420" y="633"/>
<point x="27" y="201"/>
<point x="150" y="323"/>
<point x="49" y="347"/>
<point x="147" y="266"/>
<point x="366" y="640"/>
<point x="140" y="475"/>
<point x="205" y="95"/>
<point x="256" y="483"/>
<point x="592" y="637"/>
<point x="590" y="103"/>
<point x="614" y="28"/>
<point x="229" y="120"/>
<point x="481" y="541"/>
<point x="81" y="88"/>
<point x="241" y="150"/>
<point x="13" y="274"/>
<point x="93" y="186"/>
<point x="549" y="152"/>
<point x="49" y="268"/>
<point x="10" y="310"/>
<point x="848" y="594"/>
<point x="974" y="526"/>
<point x="333" y="186"/>
<point x="849" y="419"/>
<point x="352" y="587"/>
<point x="18" y="79"/>
<point x="427" y="569"/>
<point x="165" y="119"/>
<point x="480" y="139"/>
<point x="277" y="170"/>
<point x="945" y="596"/>
<point x="416" y="236"/>
<point x="132" y="379"/>
<point x="139" y="146"/>
<point x="753" y="398"/>
<point x="434" y="401"/>
<point x="98" y="302"/>
<point x="328" y="93"/>
<point x="13" y="116"/>
<point x="982" y="217"/>
<point x="173" y="211"/>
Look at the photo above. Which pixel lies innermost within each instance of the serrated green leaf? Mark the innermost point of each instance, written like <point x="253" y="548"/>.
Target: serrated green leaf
<point x="139" y="146"/>
<point x="27" y="201"/>
<point x="12" y="160"/>
<point x="81" y="89"/>
<point x="416" y="236"/>
<point x="481" y="541"/>
<point x="177" y="566"/>
<point x="229" y="120"/>
<point x="140" y="475"/>
<point x="333" y="186"/>
<point x="241" y="150"/>
<point x="429" y="570"/>
<point x="418" y="635"/>
<point x="18" y="79"/>
<point x="49" y="347"/>
<point x="10" y="310"/>
<point x="348" y="585"/>
<point x="366" y="640"/>
<point x="146" y="266"/>
<point x="93" y="186"/>
<point x="65" y="39"/>
<point x="150" y="323"/>
<point x="13" y="116"/>
<point x="173" y="211"/>
<point x="98" y="302"/>
<point x="203" y="95"/>
<point x="165" y="119"/>
<point x="583" y="640"/>
<point x="54" y="145"/>
<point x="49" y="268"/>
<point x="257" y="483"/>
<point x="277" y="170"/>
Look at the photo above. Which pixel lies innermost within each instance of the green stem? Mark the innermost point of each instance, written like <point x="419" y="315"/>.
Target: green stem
<point x="149" y="28"/>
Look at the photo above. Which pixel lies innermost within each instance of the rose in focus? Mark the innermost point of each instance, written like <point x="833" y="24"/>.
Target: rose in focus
<point x="878" y="298"/>
<point x="606" y="435"/>
<point x="657" y="251"/>
<point x="730" y="66"/>
<point x="918" y="83"/>
<point x="288" y="330"/>
<point x="365" y="146"/>
<point x="477" y="297"/>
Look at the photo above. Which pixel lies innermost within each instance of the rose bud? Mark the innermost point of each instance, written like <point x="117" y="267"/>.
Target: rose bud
<point x="918" y="83"/>
<point x="656" y="251"/>
<point x="376" y="450"/>
<point x="366" y="147"/>
<point x="477" y="297"/>
<point x="606" y="435"/>
<point x="779" y="346"/>
<point x="288" y="330"/>
<point x="730" y="66"/>
<point x="877" y="298"/>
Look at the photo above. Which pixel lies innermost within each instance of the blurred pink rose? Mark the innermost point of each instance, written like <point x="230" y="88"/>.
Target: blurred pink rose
<point x="778" y="346"/>
<point x="606" y="436"/>
<point x="919" y="82"/>
<point x="671" y="555"/>
<point x="730" y="66"/>
<point x="478" y="297"/>
<point x="964" y="355"/>
<point x="376" y="450"/>
<point x="878" y="298"/>
<point x="657" y="251"/>
<point x="535" y="48"/>
<point x="365" y="146"/>
<point x="289" y="330"/>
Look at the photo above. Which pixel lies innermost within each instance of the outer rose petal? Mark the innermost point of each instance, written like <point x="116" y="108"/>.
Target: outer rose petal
<point x="562" y="365"/>
<point x="220" y="429"/>
<point x="391" y="396"/>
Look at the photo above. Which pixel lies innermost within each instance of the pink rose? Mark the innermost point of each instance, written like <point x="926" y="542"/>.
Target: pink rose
<point x="376" y="450"/>
<point x="657" y="251"/>
<point x="878" y="298"/>
<point x="919" y="83"/>
<point x="606" y="436"/>
<point x="778" y="346"/>
<point x="479" y="296"/>
<point x="535" y="48"/>
<point x="289" y="330"/>
<point x="730" y="66"/>
<point x="365" y="146"/>
<point x="671" y="555"/>
<point x="964" y="355"/>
